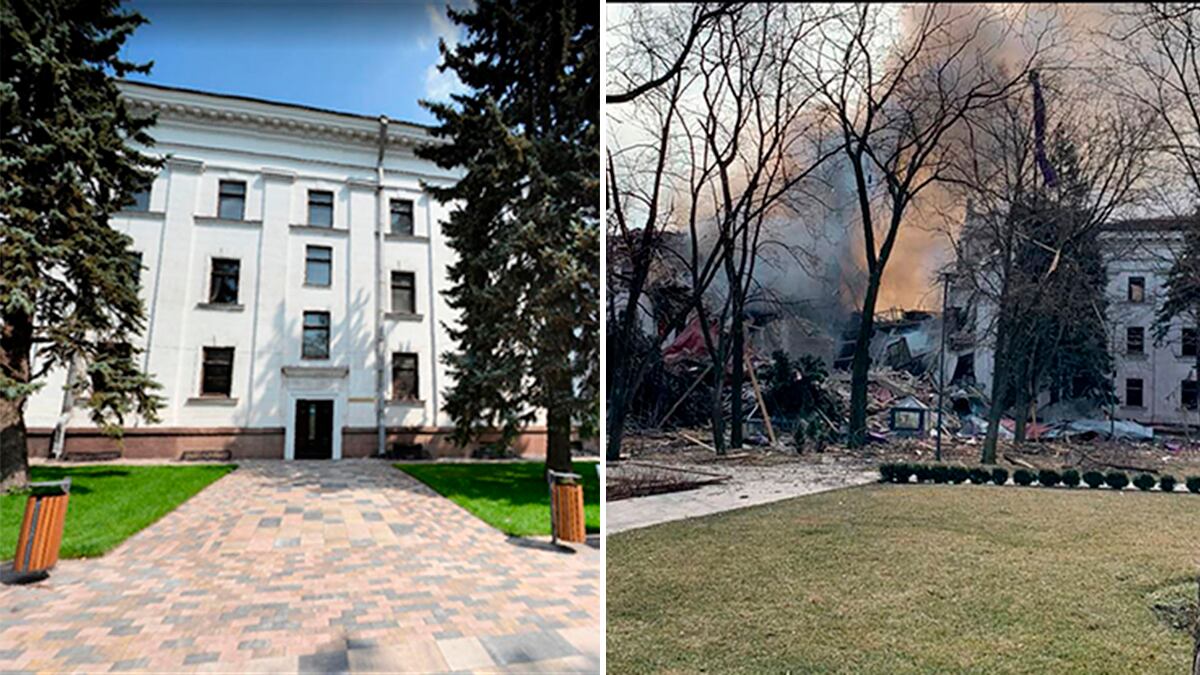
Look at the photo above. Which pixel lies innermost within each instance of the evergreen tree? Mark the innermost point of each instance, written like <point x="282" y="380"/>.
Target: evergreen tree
<point x="1183" y="288"/>
<point x="68" y="281"/>
<point x="526" y="222"/>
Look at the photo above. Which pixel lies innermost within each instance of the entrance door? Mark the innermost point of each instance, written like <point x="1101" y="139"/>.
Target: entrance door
<point x="314" y="429"/>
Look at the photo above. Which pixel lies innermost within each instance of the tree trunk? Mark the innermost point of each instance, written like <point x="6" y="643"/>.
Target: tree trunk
<point x="1021" y="421"/>
<point x="618" y="406"/>
<point x="1000" y="379"/>
<point x="735" y="379"/>
<point x="861" y="366"/>
<point x="16" y="340"/>
<point x="558" y="439"/>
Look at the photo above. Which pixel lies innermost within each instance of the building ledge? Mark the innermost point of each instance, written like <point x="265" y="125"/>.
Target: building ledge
<point x="211" y="400"/>
<point x="316" y="371"/>
<point x="416" y="238"/>
<point x="127" y="213"/>
<point x="213" y="220"/>
<point x="406" y="403"/>
<point x="404" y="316"/>
<point x="221" y="306"/>
<point x="317" y="229"/>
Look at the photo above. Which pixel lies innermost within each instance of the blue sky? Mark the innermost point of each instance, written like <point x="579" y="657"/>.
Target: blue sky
<point x="362" y="56"/>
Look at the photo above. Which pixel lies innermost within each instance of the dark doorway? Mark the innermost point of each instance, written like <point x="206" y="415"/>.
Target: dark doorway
<point x="314" y="429"/>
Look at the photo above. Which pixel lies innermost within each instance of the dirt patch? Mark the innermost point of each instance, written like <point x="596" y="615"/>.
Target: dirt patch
<point x="640" y="479"/>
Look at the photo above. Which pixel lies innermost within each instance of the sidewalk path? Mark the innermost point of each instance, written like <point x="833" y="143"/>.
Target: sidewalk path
<point x="748" y="486"/>
<point x="347" y="566"/>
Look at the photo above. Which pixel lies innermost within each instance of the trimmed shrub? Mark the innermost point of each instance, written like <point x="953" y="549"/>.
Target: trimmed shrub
<point x="980" y="475"/>
<point x="886" y="472"/>
<point x="902" y="473"/>
<point x="1094" y="479"/>
<point x="1049" y="477"/>
<point x="1023" y="477"/>
<point x="940" y="473"/>
<point x="924" y="473"/>
<point x="1167" y="483"/>
<point x="1116" y="480"/>
<point x="999" y="476"/>
<point x="1144" y="482"/>
<point x="959" y="474"/>
<point x="1193" y="484"/>
<point x="1070" y="477"/>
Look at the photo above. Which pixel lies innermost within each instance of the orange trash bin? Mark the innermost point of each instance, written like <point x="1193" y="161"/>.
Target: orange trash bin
<point x="567" y="520"/>
<point x="42" y="528"/>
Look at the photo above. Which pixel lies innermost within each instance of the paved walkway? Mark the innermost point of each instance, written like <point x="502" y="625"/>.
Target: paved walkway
<point x="348" y="566"/>
<point x="748" y="486"/>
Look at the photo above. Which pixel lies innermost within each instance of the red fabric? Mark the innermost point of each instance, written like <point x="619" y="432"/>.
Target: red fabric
<point x="689" y="344"/>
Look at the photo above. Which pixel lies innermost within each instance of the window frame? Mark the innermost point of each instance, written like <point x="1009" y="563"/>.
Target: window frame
<point x="411" y="277"/>
<point x="1140" y="332"/>
<point x="222" y="194"/>
<point x="213" y="286"/>
<point x="1140" y="284"/>
<point x="403" y="357"/>
<point x="304" y="329"/>
<point x="309" y="260"/>
<point x="206" y="362"/>
<point x="1141" y="392"/>
<point x="1183" y="402"/>
<point x="311" y="203"/>
<point x="393" y="212"/>
<point x="137" y="205"/>
<point x="1184" y="342"/>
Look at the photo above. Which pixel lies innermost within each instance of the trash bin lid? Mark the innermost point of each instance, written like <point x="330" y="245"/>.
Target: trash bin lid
<point x="51" y="488"/>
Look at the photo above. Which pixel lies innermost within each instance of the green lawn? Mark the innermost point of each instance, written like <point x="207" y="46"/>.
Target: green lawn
<point x="891" y="579"/>
<point x="109" y="503"/>
<point x="510" y="496"/>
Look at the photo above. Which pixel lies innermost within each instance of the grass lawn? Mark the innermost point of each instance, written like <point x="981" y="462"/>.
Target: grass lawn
<point x="889" y="579"/>
<point x="510" y="496"/>
<point x="108" y="503"/>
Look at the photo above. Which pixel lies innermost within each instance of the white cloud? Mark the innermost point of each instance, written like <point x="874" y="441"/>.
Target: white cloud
<point x="439" y="85"/>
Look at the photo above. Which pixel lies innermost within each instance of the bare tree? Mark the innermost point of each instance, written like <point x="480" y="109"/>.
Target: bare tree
<point x="638" y="190"/>
<point x="896" y="101"/>
<point x="644" y="58"/>
<point x="1030" y="252"/>
<point x="760" y="139"/>
<point x="728" y="141"/>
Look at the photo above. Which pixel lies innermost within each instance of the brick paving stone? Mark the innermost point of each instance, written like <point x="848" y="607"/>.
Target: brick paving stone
<point x="424" y="582"/>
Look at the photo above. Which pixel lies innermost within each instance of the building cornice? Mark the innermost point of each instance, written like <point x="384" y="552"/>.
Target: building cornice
<point x="265" y="116"/>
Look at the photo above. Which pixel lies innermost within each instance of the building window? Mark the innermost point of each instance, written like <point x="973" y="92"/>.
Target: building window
<point x="223" y="284"/>
<point x="141" y="201"/>
<point x="1133" y="393"/>
<point x="320" y="208"/>
<point x="1137" y="289"/>
<point x="217" y="373"/>
<point x="404" y="377"/>
<point x="231" y="200"/>
<point x="1188" y="342"/>
<point x="1135" y="340"/>
<point x="402" y="216"/>
<point x="1189" y="391"/>
<point x="404" y="293"/>
<point x="316" y="336"/>
<point x="318" y="265"/>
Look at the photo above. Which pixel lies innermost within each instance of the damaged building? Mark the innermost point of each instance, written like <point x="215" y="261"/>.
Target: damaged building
<point x="1155" y="382"/>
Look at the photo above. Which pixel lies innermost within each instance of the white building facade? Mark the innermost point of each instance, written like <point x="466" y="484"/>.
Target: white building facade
<point x="1155" y="381"/>
<point x="293" y="270"/>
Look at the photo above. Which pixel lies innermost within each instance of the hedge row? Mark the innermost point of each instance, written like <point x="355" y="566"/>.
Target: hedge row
<point x="949" y="473"/>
